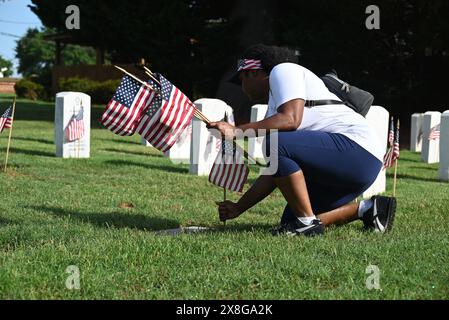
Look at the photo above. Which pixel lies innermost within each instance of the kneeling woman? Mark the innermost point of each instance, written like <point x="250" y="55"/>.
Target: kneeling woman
<point x="328" y="155"/>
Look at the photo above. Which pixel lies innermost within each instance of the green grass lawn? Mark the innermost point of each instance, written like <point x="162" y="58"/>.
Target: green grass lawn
<point x="57" y="212"/>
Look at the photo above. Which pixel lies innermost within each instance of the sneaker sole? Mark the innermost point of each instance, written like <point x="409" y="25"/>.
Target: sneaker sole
<point x="392" y="204"/>
<point x="317" y="231"/>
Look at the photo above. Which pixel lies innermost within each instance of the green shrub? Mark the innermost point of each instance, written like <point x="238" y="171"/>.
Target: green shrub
<point x="76" y="84"/>
<point x="28" y="89"/>
<point x="103" y="91"/>
<point x="100" y="92"/>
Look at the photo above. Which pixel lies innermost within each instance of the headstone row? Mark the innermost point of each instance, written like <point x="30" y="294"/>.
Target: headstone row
<point x="201" y="154"/>
<point x="430" y="136"/>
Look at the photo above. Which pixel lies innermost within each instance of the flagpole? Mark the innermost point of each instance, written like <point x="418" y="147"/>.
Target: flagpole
<point x="394" y="179"/>
<point x="10" y="132"/>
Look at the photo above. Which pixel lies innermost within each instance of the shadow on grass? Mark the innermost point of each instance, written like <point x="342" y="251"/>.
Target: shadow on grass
<point x="424" y="168"/>
<point x="246" y="227"/>
<point x="31" y="152"/>
<point x="165" y="168"/>
<point x="5" y="222"/>
<point x="134" y="152"/>
<point x="112" y="219"/>
<point x="35" y="140"/>
<point x="410" y="177"/>
<point x="403" y="159"/>
<point x="29" y="110"/>
<point x="120" y="141"/>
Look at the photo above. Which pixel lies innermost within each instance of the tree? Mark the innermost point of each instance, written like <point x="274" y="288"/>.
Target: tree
<point x="189" y="41"/>
<point x="194" y="42"/>
<point x="4" y="63"/>
<point x="36" y="55"/>
<point x="402" y="64"/>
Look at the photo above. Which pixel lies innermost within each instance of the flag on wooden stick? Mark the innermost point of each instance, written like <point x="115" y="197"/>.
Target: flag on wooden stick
<point x="168" y="115"/>
<point x="229" y="170"/>
<point x="75" y="128"/>
<point x="396" y="150"/>
<point x="388" y="158"/>
<point x="6" y="119"/>
<point x="393" y="152"/>
<point x="124" y="111"/>
<point x="391" y="133"/>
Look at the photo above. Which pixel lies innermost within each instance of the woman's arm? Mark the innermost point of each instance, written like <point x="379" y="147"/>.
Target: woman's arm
<point x="262" y="187"/>
<point x="288" y="118"/>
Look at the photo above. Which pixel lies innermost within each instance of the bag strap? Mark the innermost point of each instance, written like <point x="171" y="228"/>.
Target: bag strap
<point x="315" y="103"/>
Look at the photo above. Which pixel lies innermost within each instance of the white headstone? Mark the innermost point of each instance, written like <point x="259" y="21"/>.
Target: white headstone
<point x="416" y="133"/>
<point x="430" y="149"/>
<point x="68" y="105"/>
<point x="180" y="152"/>
<point x="255" y="144"/>
<point x="378" y="118"/>
<point x="204" y="146"/>
<point x="444" y="147"/>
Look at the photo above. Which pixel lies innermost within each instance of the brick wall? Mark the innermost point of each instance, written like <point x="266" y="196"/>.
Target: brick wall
<point x="92" y="72"/>
<point x="7" y="85"/>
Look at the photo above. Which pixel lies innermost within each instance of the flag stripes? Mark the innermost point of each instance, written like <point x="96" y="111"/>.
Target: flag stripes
<point x="124" y="111"/>
<point x="393" y="152"/>
<point x="229" y="171"/>
<point x="169" y="115"/>
<point x="434" y="133"/>
<point x="391" y="133"/>
<point x="75" y="129"/>
<point x="6" y="120"/>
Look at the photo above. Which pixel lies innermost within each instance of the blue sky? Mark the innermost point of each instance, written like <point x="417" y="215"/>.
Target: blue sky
<point x="15" y="19"/>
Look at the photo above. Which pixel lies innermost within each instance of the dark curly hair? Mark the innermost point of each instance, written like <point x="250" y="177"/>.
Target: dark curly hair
<point x="270" y="56"/>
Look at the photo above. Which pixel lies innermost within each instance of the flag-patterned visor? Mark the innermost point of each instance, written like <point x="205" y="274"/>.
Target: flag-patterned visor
<point x="249" y="64"/>
<point x="245" y="64"/>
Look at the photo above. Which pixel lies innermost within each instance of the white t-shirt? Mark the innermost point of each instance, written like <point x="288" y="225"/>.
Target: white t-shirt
<point x="289" y="81"/>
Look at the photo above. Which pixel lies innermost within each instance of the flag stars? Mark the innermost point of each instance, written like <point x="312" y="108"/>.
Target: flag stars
<point x="127" y="91"/>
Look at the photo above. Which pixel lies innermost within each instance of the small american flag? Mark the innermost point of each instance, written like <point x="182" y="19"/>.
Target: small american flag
<point x="75" y="128"/>
<point x="388" y="158"/>
<point x="391" y="133"/>
<point x="167" y="117"/>
<point x="396" y="151"/>
<point x="229" y="170"/>
<point x="435" y="133"/>
<point x="393" y="152"/>
<point x="6" y="120"/>
<point x="124" y="111"/>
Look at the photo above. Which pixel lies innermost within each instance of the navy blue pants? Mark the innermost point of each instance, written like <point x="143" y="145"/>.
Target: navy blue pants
<point x="336" y="169"/>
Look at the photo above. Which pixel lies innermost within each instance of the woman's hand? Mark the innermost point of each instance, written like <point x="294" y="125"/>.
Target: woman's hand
<point x="228" y="210"/>
<point x="225" y="129"/>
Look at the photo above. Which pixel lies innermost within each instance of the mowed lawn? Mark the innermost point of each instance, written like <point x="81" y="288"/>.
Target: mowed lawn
<point x="56" y="213"/>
